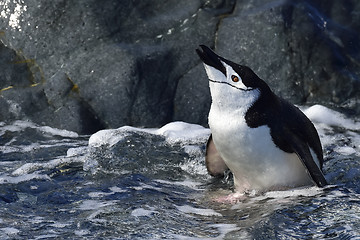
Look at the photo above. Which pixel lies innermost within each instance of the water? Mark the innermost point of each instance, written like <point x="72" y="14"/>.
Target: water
<point x="131" y="183"/>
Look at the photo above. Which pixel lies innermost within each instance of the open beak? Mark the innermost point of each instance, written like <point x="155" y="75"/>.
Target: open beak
<point x="210" y="58"/>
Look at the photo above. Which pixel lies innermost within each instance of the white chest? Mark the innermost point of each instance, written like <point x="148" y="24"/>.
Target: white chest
<point x="251" y="155"/>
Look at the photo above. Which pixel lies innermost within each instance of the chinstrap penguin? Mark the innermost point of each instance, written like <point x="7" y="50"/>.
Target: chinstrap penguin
<point x="265" y="141"/>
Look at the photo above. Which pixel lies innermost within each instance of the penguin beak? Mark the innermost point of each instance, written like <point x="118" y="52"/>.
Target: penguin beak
<point x="210" y="58"/>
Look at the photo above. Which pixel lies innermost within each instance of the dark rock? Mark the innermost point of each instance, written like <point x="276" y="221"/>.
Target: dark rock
<point x="192" y="99"/>
<point x="297" y="47"/>
<point x="123" y="58"/>
<point x="307" y="51"/>
<point x="106" y="82"/>
<point x="87" y="65"/>
<point x="26" y="95"/>
<point x="14" y="69"/>
<point x="254" y="36"/>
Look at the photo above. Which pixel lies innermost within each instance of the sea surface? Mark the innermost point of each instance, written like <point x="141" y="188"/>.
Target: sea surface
<point x="132" y="183"/>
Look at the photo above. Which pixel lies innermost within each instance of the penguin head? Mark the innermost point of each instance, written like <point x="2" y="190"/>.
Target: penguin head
<point x="230" y="81"/>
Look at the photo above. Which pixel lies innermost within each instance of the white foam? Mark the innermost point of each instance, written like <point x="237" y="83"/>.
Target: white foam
<point x="141" y="212"/>
<point x="223" y="230"/>
<point x="8" y="148"/>
<point x="26" y="168"/>
<point x="36" y="220"/>
<point x="81" y="232"/>
<point x="198" y="211"/>
<point x="20" y="125"/>
<point x="58" y="132"/>
<point x="94" y="204"/>
<point x="226" y="228"/>
<point x="187" y="183"/>
<point x="109" y="136"/>
<point x="47" y="236"/>
<point x="10" y="230"/>
<point x="307" y="191"/>
<point x="71" y="152"/>
<point x="4" y="179"/>
<point x="101" y="194"/>
<point x="60" y="225"/>
<point x="116" y="189"/>
<point x="31" y="167"/>
<point x="273" y="198"/>
<point x="16" y="126"/>
<point x="195" y="166"/>
<point x="146" y="186"/>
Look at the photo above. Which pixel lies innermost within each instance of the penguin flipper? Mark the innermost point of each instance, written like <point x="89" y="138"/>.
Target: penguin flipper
<point x="214" y="162"/>
<point x="302" y="150"/>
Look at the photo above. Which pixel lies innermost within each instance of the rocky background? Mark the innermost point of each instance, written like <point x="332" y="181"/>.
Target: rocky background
<point x="85" y="65"/>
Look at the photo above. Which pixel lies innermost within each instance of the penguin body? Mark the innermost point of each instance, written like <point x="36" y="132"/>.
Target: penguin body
<point x="266" y="142"/>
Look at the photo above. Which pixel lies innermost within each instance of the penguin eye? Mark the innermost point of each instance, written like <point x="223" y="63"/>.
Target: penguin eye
<point x="234" y="78"/>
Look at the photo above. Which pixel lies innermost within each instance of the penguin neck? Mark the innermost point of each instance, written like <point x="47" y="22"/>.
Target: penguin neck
<point x="227" y="100"/>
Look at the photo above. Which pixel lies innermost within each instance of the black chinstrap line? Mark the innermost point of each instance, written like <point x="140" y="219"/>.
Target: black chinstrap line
<point x="232" y="85"/>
